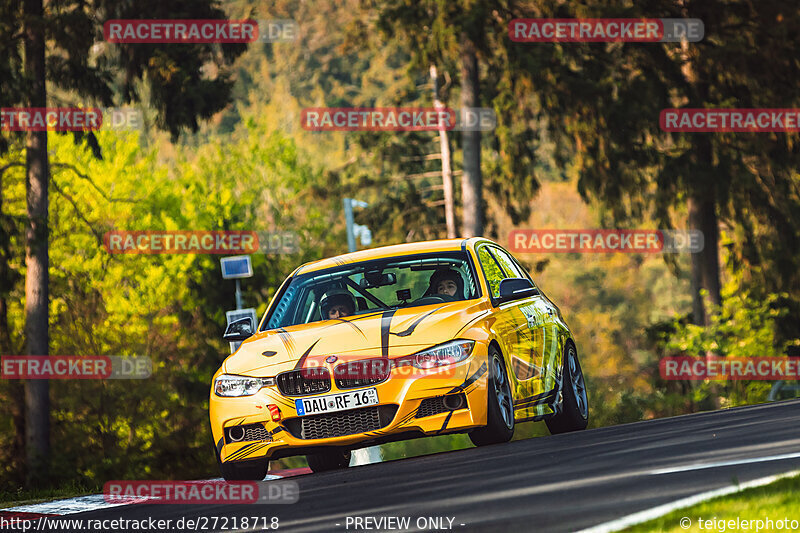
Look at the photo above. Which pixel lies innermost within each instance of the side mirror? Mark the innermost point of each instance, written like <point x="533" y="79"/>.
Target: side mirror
<point x="239" y="330"/>
<point x="516" y="288"/>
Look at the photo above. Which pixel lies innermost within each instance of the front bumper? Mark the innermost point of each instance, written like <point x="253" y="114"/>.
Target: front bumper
<point x="402" y="412"/>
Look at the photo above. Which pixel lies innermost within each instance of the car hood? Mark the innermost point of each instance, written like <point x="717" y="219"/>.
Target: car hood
<point x="389" y="333"/>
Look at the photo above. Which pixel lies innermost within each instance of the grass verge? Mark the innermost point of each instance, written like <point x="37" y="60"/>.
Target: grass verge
<point x="777" y="501"/>
<point x="19" y="497"/>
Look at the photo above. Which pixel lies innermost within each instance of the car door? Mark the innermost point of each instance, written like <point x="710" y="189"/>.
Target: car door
<point x="517" y="325"/>
<point x="543" y="355"/>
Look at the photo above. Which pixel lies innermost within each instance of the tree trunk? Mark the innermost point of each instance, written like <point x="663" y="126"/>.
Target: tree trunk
<point x="702" y="201"/>
<point x="702" y="207"/>
<point x="447" y="174"/>
<point x="37" y="400"/>
<point x="705" y="269"/>
<point x="471" y="181"/>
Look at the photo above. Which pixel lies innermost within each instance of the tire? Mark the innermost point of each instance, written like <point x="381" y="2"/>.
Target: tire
<point x="252" y="470"/>
<point x="574" y="414"/>
<point x="330" y="460"/>
<point x="500" y="411"/>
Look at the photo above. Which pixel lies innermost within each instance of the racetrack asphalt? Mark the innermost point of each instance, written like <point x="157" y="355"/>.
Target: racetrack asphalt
<point x="559" y="483"/>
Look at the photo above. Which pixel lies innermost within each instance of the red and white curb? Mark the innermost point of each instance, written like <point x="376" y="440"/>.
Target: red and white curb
<point x="94" y="502"/>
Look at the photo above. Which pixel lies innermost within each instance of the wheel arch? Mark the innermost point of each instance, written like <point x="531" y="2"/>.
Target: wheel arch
<point x="568" y="340"/>
<point x="496" y="344"/>
<point x="507" y="363"/>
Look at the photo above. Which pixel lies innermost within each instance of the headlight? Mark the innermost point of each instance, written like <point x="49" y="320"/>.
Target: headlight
<point x="449" y="353"/>
<point x="228" y="385"/>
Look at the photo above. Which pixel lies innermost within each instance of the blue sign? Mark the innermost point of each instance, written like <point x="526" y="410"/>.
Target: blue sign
<point x="238" y="266"/>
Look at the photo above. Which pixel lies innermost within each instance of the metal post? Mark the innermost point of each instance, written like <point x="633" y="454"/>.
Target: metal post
<point x="371" y="454"/>
<point x="348" y="217"/>
<point x="238" y="295"/>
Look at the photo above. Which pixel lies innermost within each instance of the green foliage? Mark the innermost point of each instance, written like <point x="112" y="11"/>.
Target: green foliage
<point x="167" y="307"/>
<point x="603" y="102"/>
<point x="743" y="326"/>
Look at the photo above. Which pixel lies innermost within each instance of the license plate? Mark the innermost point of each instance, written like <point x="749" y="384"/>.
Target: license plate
<point x="336" y="402"/>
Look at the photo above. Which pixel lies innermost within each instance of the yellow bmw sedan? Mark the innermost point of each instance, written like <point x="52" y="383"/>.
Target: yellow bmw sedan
<point x="394" y="343"/>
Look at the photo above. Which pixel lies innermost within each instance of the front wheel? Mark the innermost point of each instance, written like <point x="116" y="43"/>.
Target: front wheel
<point x="329" y="460"/>
<point x="574" y="414"/>
<point x="500" y="412"/>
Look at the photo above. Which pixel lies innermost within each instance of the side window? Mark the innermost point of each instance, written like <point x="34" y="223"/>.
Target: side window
<point x="492" y="270"/>
<point x="509" y="265"/>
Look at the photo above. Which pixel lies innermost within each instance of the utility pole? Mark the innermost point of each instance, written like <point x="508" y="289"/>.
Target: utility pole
<point x="370" y="454"/>
<point x="238" y="295"/>
<point x="238" y="267"/>
<point x="348" y="218"/>
<point x="447" y="174"/>
<point x="354" y="229"/>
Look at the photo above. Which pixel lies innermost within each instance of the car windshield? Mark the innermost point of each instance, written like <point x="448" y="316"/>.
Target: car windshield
<point x="370" y="286"/>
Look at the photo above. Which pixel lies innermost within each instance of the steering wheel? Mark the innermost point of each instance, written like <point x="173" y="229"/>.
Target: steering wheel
<point x="431" y="299"/>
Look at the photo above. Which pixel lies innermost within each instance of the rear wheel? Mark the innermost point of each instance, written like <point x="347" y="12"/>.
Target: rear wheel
<point x="574" y="414"/>
<point x="500" y="412"/>
<point x="329" y="460"/>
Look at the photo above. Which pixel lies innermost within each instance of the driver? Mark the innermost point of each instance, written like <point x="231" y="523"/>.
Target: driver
<point x="337" y="303"/>
<point x="447" y="281"/>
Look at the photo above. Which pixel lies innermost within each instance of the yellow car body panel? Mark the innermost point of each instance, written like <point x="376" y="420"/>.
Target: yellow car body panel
<point x="528" y="333"/>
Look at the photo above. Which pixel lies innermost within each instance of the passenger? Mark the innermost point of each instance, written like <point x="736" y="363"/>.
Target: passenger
<point x="447" y="282"/>
<point x="337" y="303"/>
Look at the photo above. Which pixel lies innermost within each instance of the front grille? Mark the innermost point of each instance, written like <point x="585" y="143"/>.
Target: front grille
<point x="304" y="382"/>
<point x="435" y="406"/>
<point x="329" y="425"/>
<point x="430" y="407"/>
<point x="357" y="374"/>
<point x="257" y="432"/>
<point x="252" y="432"/>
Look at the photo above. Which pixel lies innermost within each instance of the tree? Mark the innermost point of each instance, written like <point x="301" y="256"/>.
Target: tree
<point x="470" y="40"/>
<point x="447" y="173"/>
<point x="604" y="100"/>
<point x="59" y="49"/>
<point x="37" y="399"/>
<point x="471" y="180"/>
